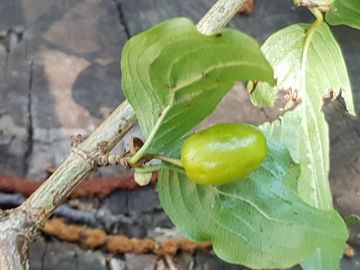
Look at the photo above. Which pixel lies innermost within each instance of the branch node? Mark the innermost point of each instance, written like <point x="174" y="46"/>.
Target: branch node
<point x="86" y="156"/>
<point x="112" y="160"/>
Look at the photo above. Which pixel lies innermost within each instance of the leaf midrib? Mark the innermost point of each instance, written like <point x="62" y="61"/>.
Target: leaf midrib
<point x="199" y="77"/>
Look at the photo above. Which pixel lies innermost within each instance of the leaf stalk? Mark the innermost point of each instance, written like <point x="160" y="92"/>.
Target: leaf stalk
<point x="313" y="28"/>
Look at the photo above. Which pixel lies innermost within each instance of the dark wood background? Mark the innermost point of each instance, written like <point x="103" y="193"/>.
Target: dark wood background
<point x="60" y="76"/>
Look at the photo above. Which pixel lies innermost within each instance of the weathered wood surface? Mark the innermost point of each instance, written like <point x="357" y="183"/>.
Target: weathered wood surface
<point x="60" y="76"/>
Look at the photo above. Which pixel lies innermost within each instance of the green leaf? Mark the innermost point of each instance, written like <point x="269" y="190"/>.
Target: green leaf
<point x="345" y="12"/>
<point x="304" y="129"/>
<point x="309" y="75"/>
<point x="174" y="76"/>
<point x="321" y="259"/>
<point x="349" y="220"/>
<point x="260" y="221"/>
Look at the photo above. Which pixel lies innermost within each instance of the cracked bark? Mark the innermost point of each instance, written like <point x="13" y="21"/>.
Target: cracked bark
<point x="122" y="18"/>
<point x="17" y="232"/>
<point x="30" y="131"/>
<point x="18" y="227"/>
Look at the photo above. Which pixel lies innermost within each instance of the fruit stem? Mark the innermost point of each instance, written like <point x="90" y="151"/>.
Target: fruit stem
<point x="151" y="168"/>
<point x="174" y="161"/>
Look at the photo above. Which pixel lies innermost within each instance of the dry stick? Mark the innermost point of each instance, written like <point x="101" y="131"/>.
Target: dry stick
<point x="118" y="244"/>
<point x="96" y="188"/>
<point x="19" y="227"/>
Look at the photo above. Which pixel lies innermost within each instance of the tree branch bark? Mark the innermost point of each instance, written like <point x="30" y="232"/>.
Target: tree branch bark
<point x="19" y="227"/>
<point x="219" y="15"/>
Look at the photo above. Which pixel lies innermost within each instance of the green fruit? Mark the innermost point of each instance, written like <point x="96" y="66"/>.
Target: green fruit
<point x="223" y="153"/>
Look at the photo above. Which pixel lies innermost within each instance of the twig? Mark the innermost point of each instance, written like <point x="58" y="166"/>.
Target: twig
<point x="170" y="262"/>
<point x="160" y="265"/>
<point x="219" y="16"/>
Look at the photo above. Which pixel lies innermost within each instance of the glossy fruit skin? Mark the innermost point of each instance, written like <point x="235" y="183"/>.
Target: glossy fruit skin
<point x="223" y="153"/>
